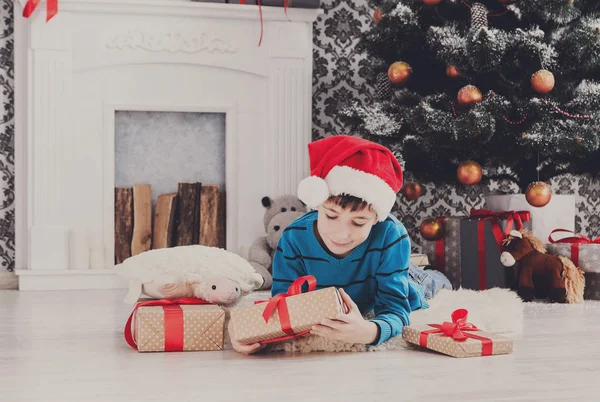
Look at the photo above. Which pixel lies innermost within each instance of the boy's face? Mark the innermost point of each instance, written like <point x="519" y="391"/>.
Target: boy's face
<point x="342" y="229"/>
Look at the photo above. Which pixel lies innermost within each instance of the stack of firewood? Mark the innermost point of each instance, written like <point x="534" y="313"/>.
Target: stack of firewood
<point x="193" y="215"/>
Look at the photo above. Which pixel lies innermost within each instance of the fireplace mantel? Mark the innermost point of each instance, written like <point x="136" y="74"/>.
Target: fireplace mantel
<point x="99" y="56"/>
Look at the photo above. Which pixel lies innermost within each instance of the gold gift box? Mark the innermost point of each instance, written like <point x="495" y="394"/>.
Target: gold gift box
<point x="446" y="344"/>
<point x="203" y="328"/>
<point x="305" y="310"/>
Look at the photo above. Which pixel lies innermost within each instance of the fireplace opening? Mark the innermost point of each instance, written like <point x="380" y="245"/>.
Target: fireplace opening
<point x="169" y="180"/>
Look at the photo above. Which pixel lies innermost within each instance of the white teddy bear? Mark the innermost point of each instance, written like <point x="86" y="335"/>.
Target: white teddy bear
<point x="208" y="273"/>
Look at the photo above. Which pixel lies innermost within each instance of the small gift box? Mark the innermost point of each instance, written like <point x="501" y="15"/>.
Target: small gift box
<point x="469" y="252"/>
<point x="458" y="338"/>
<point x="286" y="315"/>
<point x="583" y="251"/>
<point x="187" y="324"/>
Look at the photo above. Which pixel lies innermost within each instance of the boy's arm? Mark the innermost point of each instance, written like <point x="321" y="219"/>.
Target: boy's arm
<point x="287" y="264"/>
<point x="392" y="307"/>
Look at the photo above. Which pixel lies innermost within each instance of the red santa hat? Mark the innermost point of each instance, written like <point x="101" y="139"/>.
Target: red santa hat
<point x="342" y="164"/>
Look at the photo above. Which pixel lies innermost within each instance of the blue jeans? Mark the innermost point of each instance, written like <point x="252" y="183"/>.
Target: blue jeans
<point x="430" y="280"/>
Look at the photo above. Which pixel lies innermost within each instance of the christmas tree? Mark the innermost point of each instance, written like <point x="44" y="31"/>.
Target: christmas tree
<point x="511" y="85"/>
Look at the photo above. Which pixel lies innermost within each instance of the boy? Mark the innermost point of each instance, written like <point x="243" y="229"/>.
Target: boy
<point x="351" y="241"/>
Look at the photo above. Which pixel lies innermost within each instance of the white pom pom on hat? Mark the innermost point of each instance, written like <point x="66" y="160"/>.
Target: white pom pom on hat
<point x="313" y="191"/>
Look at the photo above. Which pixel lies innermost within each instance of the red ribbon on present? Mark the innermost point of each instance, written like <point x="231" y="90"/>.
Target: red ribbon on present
<point x="279" y="302"/>
<point x="460" y="330"/>
<point x="173" y="321"/>
<point x="440" y="251"/>
<point x="31" y="5"/>
<point x="574" y="241"/>
<point x="514" y="219"/>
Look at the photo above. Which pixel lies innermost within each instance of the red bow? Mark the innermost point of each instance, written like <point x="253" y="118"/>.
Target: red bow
<point x="280" y="303"/>
<point x="515" y="218"/>
<point x="577" y="238"/>
<point x="455" y="330"/>
<point x="173" y="321"/>
<point x="51" y="8"/>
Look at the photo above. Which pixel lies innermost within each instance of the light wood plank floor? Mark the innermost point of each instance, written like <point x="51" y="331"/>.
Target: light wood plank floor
<point x="68" y="346"/>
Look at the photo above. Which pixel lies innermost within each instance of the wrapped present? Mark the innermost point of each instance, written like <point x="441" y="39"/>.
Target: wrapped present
<point x="558" y="213"/>
<point x="469" y="252"/>
<point x="458" y="338"/>
<point x="175" y="325"/>
<point x="31" y="5"/>
<point x="286" y="315"/>
<point x="592" y="286"/>
<point x="583" y="251"/>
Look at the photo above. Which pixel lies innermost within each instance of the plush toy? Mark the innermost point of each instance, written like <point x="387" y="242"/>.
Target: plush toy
<point x="279" y="213"/>
<point x="541" y="275"/>
<point x="209" y="273"/>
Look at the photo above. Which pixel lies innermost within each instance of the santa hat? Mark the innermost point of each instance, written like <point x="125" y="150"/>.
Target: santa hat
<point x="347" y="165"/>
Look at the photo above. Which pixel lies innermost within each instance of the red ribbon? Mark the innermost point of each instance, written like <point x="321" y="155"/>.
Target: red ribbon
<point x="31" y="5"/>
<point x="513" y="218"/>
<point x="574" y="241"/>
<point x="279" y="302"/>
<point x="460" y="330"/>
<point x="173" y="321"/>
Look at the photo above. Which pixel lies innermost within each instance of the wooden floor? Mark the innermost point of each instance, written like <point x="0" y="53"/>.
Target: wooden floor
<point x="68" y="346"/>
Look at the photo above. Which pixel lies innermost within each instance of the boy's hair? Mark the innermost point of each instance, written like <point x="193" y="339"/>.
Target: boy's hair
<point x="351" y="202"/>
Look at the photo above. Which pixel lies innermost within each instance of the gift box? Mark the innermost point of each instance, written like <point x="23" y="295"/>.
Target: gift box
<point x="187" y="324"/>
<point x="592" y="286"/>
<point x="469" y="252"/>
<point x="458" y="338"/>
<point x="286" y="315"/>
<point x="558" y="213"/>
<point x="583" y="251"/>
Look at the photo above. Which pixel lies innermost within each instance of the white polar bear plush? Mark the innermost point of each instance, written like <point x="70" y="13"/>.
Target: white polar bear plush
<point x="210" y="273"/>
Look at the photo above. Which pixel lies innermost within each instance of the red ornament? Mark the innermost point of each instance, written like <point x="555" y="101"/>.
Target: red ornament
<point x="538" y="194"/>
<point x="377" y="15"/>
<point x="412" y="191"/>
<point x="432" y="229"/>
<point x="469" y="95"/>
<point x="469" y="173"/>
<point x="431" y="2"/>
<point x="399" y="72"/>
<point x="542" y="81"/>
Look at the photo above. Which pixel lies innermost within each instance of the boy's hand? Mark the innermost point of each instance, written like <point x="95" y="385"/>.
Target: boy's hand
<point x="351" y="328"/>
<point x="241" y="348"/>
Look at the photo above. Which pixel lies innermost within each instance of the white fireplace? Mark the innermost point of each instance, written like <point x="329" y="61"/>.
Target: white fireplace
<point x="98" y="57"/>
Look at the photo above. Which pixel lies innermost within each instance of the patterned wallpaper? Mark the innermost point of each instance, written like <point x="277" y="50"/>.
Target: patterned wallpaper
<point x="7" y="133"/>
<point x="342" y="76"/>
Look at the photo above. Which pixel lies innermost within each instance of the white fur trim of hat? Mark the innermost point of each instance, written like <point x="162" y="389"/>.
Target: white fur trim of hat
<point x="313" y="190"/>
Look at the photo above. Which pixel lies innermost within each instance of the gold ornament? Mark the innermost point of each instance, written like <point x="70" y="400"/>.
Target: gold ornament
<point x="412" y="191"/>
<point x="377" y="15"/>
<point x="452" y="72"/>
<point x="542" y="81"/>
<point x="432" y="229"/>
<point x="469" y="95"/>
<point x="469" y="173"/>
<point x="399" y="72"/>
<point x="538" y="194"/>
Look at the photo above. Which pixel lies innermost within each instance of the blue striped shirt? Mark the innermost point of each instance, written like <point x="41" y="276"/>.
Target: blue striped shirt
<point x="374" y="274"/>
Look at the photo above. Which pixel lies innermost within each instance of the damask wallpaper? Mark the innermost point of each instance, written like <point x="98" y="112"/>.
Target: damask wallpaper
<point x="7" y="134"/>
<point x="341" y="75"/>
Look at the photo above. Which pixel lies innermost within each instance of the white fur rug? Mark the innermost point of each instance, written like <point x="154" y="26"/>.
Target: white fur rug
<point x="494" y="310"/>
